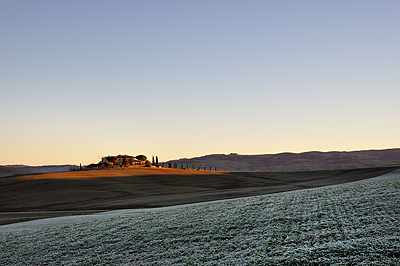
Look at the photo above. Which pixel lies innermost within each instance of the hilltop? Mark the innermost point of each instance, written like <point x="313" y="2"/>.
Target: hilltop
<point x="306" y="161"/>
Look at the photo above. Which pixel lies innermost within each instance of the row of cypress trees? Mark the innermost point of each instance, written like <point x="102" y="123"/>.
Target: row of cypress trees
<point x="155" y="161"/>
<point x="175" y="165"/>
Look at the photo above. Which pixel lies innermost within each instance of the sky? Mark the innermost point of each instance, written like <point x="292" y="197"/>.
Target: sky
<point x="84" y="79"/>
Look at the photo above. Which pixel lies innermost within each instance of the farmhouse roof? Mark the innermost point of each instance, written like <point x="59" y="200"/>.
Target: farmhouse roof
<point x="125" y="156"/>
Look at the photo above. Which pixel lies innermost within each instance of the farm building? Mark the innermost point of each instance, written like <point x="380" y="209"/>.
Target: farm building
<point x="120" y="160"/>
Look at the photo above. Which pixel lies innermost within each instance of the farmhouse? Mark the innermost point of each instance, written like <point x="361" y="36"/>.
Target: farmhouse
<point x="119" y="160"/>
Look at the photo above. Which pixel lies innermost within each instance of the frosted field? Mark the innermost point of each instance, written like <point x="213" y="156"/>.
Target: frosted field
<point x="342" y="225"/>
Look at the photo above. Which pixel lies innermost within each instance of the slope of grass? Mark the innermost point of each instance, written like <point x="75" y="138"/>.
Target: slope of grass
<point x="342" y="225"/>
<point x="56" y="194"/>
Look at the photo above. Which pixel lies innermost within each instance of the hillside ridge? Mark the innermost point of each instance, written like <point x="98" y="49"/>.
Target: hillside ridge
<point x="289" y="161"/>
<point x="18" y="169"/>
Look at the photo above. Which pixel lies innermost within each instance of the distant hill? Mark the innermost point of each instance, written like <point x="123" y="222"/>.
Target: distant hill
<point x="283" y="162"/>
<point x="9" y="170"/>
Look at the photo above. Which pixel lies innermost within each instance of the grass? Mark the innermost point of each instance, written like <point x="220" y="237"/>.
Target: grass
<point x="56" y="194"/>
<point x="342" y="225"/>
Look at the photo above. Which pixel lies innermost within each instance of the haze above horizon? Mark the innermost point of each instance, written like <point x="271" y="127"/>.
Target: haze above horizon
<point x="81" y="80"/>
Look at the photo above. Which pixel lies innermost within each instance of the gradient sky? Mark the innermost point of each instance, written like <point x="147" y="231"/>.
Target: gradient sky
<point x="83" y="79"/>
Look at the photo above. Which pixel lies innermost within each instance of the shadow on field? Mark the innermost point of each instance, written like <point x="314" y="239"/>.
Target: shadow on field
<point x="30" y="197"/>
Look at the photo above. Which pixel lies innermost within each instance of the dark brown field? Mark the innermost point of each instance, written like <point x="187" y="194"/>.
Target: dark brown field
<point x="30" y="197"/>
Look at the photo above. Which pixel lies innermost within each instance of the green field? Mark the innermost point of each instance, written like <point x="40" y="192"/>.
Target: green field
<point x="354" y="224"/>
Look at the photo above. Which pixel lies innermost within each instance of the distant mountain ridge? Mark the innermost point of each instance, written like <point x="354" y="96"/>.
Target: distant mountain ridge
<point x="8" y="171"/>
<point x="287" y="161"/>
<point x="19" y="169"/>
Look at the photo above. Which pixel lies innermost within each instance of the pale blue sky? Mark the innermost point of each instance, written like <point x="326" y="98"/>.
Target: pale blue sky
<point x="82" y="79"/>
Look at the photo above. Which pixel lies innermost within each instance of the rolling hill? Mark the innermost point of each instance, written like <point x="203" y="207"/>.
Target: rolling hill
<point x="19" y="169"/>
<point x="353" y="224"/>
<point x="80" y="192"/>
<point x="287" y="161"/>
<point x="9" y="171"/>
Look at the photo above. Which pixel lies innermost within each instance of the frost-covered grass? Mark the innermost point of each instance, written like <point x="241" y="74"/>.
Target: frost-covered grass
<point x="343" y="225"/>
